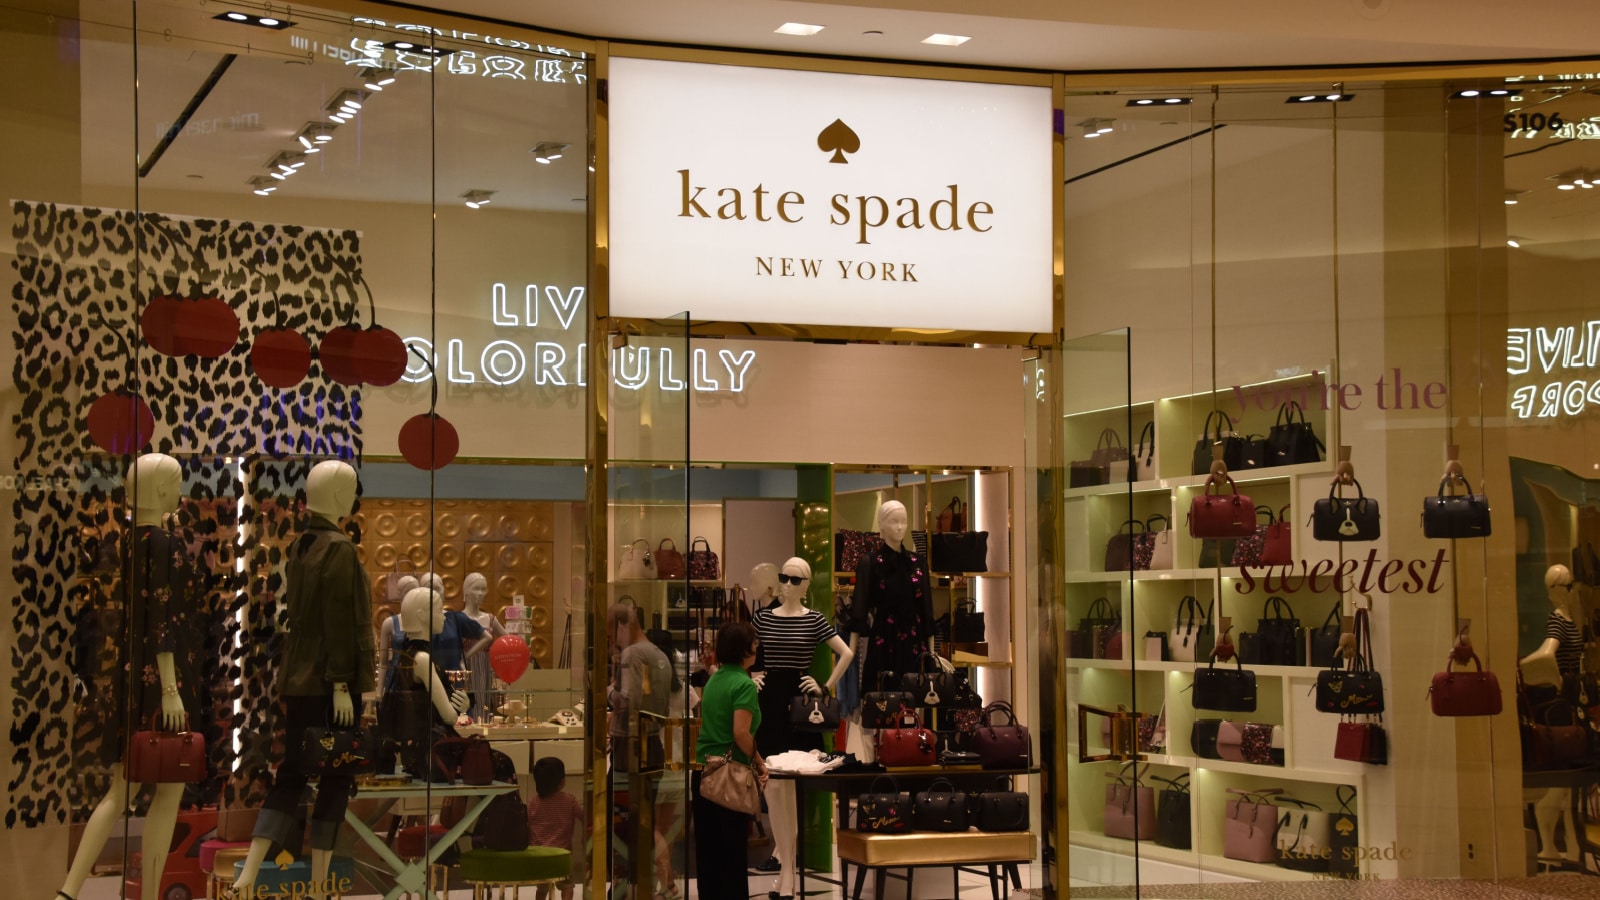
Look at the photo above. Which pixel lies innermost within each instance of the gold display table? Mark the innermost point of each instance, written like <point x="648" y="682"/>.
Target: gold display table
<point x="959" y="850"/>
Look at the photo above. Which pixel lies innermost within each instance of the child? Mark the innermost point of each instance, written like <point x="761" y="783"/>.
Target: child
<point x="554" y="816"/>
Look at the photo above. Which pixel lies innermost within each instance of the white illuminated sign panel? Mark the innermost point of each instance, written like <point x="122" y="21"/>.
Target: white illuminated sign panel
<point x="1561" y="361"/>
<point x="764" y="195"/>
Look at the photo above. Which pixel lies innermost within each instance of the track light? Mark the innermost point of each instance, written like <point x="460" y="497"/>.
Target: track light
<point x="1095" y="127"/>
<point x="1330" y="97"/>
<point x="477" y="199"/>
<point x="262" y="185"/>
<point x="547" y="152"/>
<point x="1161" y="101"/>
<point x="243" y="18"/>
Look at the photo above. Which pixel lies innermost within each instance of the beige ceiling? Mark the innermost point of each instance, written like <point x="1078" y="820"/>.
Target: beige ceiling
<point x="1079" y="35"/>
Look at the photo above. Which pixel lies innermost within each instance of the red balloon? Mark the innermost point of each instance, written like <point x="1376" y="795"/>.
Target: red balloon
<point x="337" y="353"/>
<point x="159" y="325"/>
<point x="429" y="441"/>
<point x="508" y="657"/>
<point x="380" y="356"/>
<point x="207" y="327"/>
<point x="281" y="357"/>
<point x="120" y="422"/>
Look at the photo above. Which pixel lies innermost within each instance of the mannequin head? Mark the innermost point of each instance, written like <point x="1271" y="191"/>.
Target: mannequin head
<point x="764" y="581"/>
<point x="1557" y="576"/>
<point x="794" y="593"/>
<point x="432" y="579"/>
<point x="331" y="489"/>
<point x="473" y="589"/>
<point x="893" y="523"/>
<point x="154" y="482"/>
<point x="422" y="613"/>
<point x="406" y="585"/>
<point x="1558" y="585"/>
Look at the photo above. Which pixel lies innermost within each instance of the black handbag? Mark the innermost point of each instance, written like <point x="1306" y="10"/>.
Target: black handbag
<point x="1325" y="640"/>
<point x="1172" y="813"/>
<point x="1278" y="639"/>
<point x="966" y="623"/>
<point x="883" y="812"/>
<point x="1253" y="452"/>
<point x="1339" y="518"/>
<point x="1194" y="637"/>
<point x="1100" y="624"/>
<point x="814" y="712"/>
<point x="1227" y="690"/>
<point x="939" y="808"/>
<point x="1451" y="516"/>
<point x="338" y="751"/>
<point x="1203" y="738"/>
<point x="881" y="708"/>
<point x="1232" y="444"/>
<point x="1001" y="810"/>
<point x="936" y="688"/>
<point x="1344" y="836"/>
<point x="965" y="551"/>
<point x="1358" y="689"/>
<point x="1291" y="442"/>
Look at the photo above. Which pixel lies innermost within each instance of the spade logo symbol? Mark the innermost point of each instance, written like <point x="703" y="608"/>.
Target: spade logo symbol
<point x="838" y="139"/>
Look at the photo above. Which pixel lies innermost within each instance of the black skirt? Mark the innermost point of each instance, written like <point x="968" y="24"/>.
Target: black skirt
<point x="776" y="735"/>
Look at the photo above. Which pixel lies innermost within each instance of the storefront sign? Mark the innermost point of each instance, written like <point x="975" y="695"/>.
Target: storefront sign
<point x="765" y="195"/>
<point x="1545" y="355"/>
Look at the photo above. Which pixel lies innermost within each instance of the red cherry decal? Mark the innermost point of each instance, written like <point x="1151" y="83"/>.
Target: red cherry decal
<point x="159" y="325"/>
<point x="429" y="441"/>
<point x="207" y="327"/>
<point x="120" y="422"/>
<point x="380" y="356"/>
<point x="281" y="357"/>
<point x="337" y="353"/>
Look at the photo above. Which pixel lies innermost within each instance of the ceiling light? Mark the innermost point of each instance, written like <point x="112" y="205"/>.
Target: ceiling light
<point x="946" y="40"/>
<point x="1513" y="242"/>
<point x="1499" y="92"/>
<point x="798" y="29"/>
<point x="1458" y="94"/>
<point x="1320" y="98"/>
<point x="236" y="16"/>
<point x="413" y="47"/>
<point x="262" y="185"/>
<point x="345" y="102"/>
<point x="1096" y="127"/>
<point x="546" y="152"/>
<point x="1145" y="102"/>
<point x="477" y="198"/>
<point x="241" y="18"/>
<point x="1511" y="197"/>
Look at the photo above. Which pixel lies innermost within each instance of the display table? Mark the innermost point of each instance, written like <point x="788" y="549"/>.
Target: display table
<point x="411" y="877"/>
<point x="880" y="852"/>
<point x="1576" y="781"/>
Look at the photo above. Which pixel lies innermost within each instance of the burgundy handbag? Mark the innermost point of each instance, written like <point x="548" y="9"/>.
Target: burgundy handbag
<point x="1250" y="832"/>
<point x="1002" y="746"/>
<point x="166" y="757"/>
<point x="1230" y="515"/>
<point x="1362" y="742"/>
<point x="703" y="564"/>
<point x="1277" y="547"/>
<point x="1465" y="693"/>
<point x="1130" y="806"/>
<point x="669" y="562"/>
<point x="907" y="743"/>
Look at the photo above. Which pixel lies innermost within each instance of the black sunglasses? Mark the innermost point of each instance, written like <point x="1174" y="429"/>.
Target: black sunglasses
<point x="791" y="579"/>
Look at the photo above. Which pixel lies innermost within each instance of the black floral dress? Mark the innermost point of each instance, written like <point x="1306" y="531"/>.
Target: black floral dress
<point x="893" y="608"/>
<point x="161" y="596"/>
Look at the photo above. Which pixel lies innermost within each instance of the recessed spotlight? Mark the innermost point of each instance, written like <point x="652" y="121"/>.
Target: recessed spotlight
<point x="1499" y="92"/>
<point x="1161" y="101"/>
<point x="1145" y="102"/>
<point x="946" y="40"/>
<point x="1513" y="242"/>
<point x="1464" y="94"/>
<point x="798" y="29"/>
<point x="1566" y="187"/>
<point x="236" y="16"/>
<point x="1320" y="98"/>
<point x="241" y="18"/>
<point x="414" y="47"/>
<point x="269" y="22"/>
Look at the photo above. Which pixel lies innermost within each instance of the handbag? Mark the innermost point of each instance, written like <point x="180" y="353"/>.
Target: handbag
<point x="731" y="784"/>
<point x="1108" y="449"/>
<point x="1005" y="746"/>
<point x="166" y="757"/>
<point x="929" y="688"/>
<point x="1475" y="693"/>
<point x="469" y="759"/>
<point x="703" y="563"/>
<point x="1357" y="689"/>
<point x="881" y="708"/>
<point x="1130" y="811"/>
<point x="1340" y="518"/>
<point x="1173" y="828"/>
<point x="1129" y="550"/>
<point x="1228" y="690"/>
<point x="1451" y="516"/>
<point x="965" y="551"/>
<point x="1247" y="550"/>
<point x="907" y="743"/>
<point x="1230" y="515"/>
<point x="952" y="518"/>
<point x="1278" y="639"/>
<point x="1324" y="639"/>
<point x="1141" y="462"/>
<point x="1277" y="542"/>
<point x="1232" y="444"/>
<point x="1155" y="646"/>
<point x="1203" y="738"/>
<point x="337" y="751"/>
<point x="1100" y="625"/>
<point x="883" y="812"/>
<point x="1250" y="831"/>
<point x="850" y="547"/>
<point x="1192" y="638"/>
<point x="636" y="563"/>
<point x="1001" y="810"/>
<point x="966" y="623"/>
<point x="939" y="808"/>
<point x="814" y="712"/>
<point x="1303" y="837"/>
<point x="1253" y="452"/>
<point x="1344" y="839"/>
<point x="1160" y="542"/>
<point x="1249" y="742"/>
<point x="669" y="562"/>
<point x="1085" y="473"/>
<point x="1362" y="742"/>
<point x="1290" y="442"/>
<point x="1547" y="743"/>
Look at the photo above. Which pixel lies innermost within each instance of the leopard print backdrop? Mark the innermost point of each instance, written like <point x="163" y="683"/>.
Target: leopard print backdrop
<point x="82" y="278"/>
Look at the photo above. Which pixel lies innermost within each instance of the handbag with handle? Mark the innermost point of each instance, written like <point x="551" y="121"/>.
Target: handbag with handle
<point x="703" y="564"/>
<point x="1203" y="738"/>
<point x="881" y="708"/>
<point x="1232" y="444"/>
<point x="1277" y="543"/>
<point x="952" y="518"/>
<point x="1362" y="742"/>
<point x="1247" y="550"/>
<point x="1108" y="449"/>
<point x="166" y="757"/>
<point x="1130" y="811"/>
<point x="1160" y="540"/>
<point x="1224" y="689"/>
<point x="1253" y="452"/>
<point x="1324" y="639"/>
<point x="1193" y="635"/>
<point x="1344" y="838"/>
<point x="1173" y="828"/>
<point x="1278" y="639"/>
<point x="327" y="750"/>
<point x="1230" y="515"/>
<point x="939" y="808"/>
<point x="1250" y="831"/>
<point x="731" y="784"/>
<point x="1129" y="550"/>
<point x="907" y="742"/>
<point x="881" y="811"/>
<point x="1448" y="515"/>
<point x="1357" y="688"/>
<point x="636" y="563"/>
<point x="1006" y="746"/>
<point x="1340" y="518"/>
<point x="1141" y="464"/>
<point x="966" y="623"/>
<point x="850" y="547"/>
<point x="1475" y="693"/>
<point x="1303" y="836"/>
<point x="1553" y="734"/>
<point x="1100" y="625"/>
<point x="1292" y="441"/>
<point x="814" y="712"/>
<point x="935" y="688"/>
<point x="1001" y="809"/>
<point x="669" y="562"/>
<point x="958" y="552"/>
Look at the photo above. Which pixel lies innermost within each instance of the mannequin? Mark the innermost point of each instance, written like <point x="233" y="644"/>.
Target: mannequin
<point x="450" y="645"/>
<point x="422" y="614"/>
<point x="891" y="623"/>
<point x="158" y="586"/>
<point x="473" y="591"/>
<point x="1559" y="657"/>
<point x="790" y="634"/>
<point x="764" y="586"/>
<point x="328" y="655"/>
<point x="391" y="635"/>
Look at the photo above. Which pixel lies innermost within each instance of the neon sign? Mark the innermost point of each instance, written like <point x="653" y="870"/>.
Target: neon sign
<point x="1549" y="351"/>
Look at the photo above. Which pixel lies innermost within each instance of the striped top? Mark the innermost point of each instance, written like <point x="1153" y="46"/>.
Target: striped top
<point x="1569" y="642"/>
<point x="553" y="819"/>
<point x="790" y="642"/>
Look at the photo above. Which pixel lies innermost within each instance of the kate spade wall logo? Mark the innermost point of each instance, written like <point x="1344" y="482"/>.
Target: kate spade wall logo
<point x="838" y="139"/>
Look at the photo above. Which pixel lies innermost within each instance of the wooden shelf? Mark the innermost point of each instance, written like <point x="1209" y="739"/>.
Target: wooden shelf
<point x="1187" y="858"/>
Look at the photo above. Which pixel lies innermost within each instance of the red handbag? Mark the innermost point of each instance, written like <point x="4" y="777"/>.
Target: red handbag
<point x="166" y="757"/>
<point x="907" y="743"/>
<point x="1362" y="742"/>
<point x="1465" y="693"/>
<point x="1277" y="549"/>
<point x="1231" y="515"/>
<point x="669" y="562"/>
<point x="1005" y="746"/>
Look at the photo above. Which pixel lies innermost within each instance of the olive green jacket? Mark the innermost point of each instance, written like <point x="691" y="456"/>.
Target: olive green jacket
<point x="329" y="597"/>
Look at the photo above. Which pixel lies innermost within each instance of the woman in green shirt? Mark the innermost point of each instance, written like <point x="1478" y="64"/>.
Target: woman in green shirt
<point x="729" y="717"/>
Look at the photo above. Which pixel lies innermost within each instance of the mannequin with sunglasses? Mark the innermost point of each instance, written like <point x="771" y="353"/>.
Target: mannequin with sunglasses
<point x="790" y="634"/>
<point x="1557" y="664"/>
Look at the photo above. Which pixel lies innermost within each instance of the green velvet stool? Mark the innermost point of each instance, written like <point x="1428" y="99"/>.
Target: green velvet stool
<point x="486" y="870"/>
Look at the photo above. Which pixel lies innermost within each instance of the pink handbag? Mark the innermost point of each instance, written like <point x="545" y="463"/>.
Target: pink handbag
<point x="1230" y="740"/>
<point x="1130" y="806"/>
<point x="1230" y="515"/>
<point x="1250" y="833"/>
